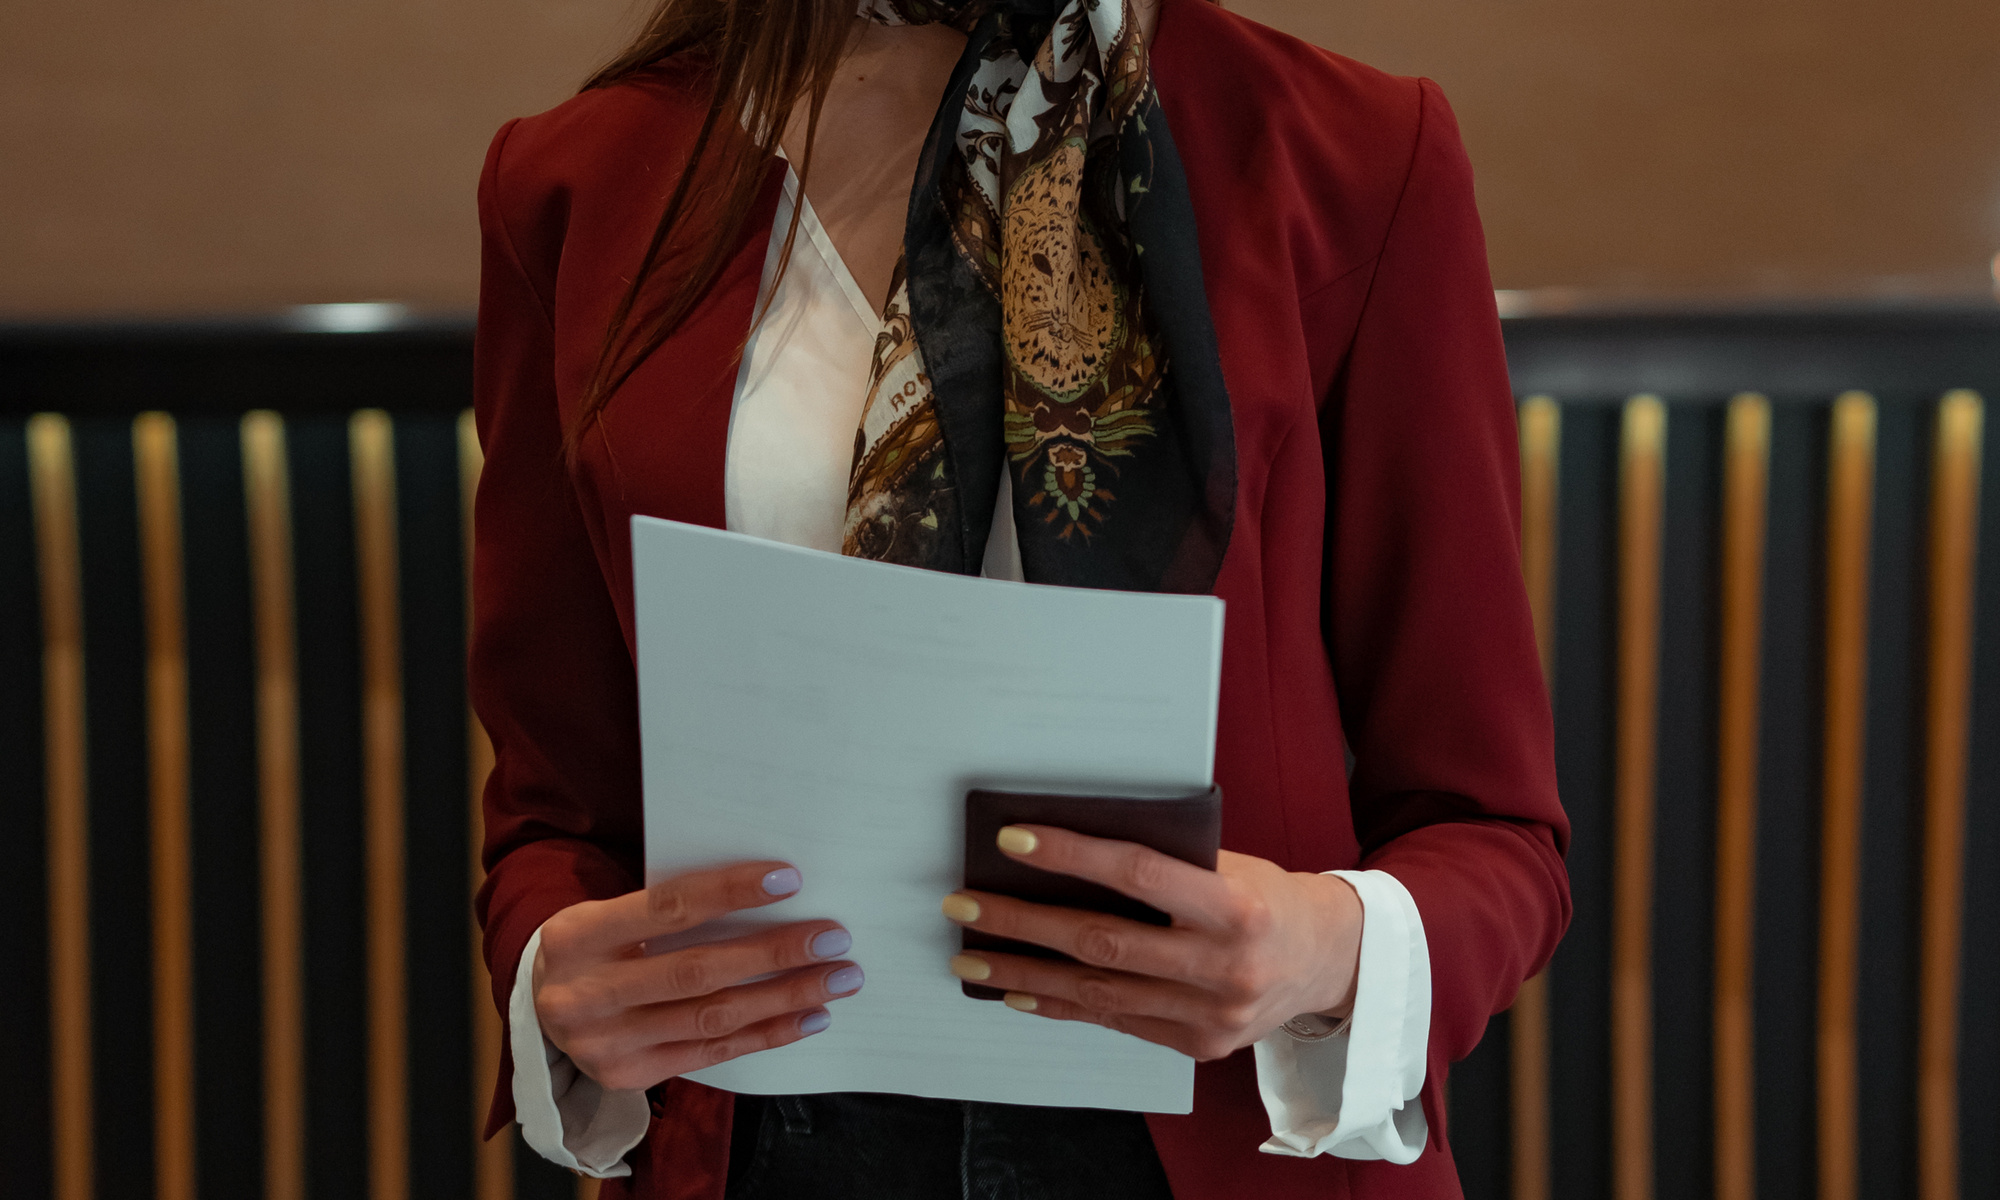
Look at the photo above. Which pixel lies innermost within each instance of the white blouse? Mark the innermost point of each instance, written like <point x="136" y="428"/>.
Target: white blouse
<point x="798" y="402"/>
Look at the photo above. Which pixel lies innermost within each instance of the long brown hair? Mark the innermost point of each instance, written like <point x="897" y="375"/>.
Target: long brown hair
<point x="762" y="58"/>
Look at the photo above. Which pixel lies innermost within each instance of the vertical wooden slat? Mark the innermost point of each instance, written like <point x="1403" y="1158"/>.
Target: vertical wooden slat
<point x="1954" y="540"/>
<point x="52" y="471"/>
<point x="1528" y="1023"/>
<point x="494" y="1165"/>
<point x="1850" y="510"/>
<point x="1541" y="461"/>
<point x="1745" y="489"/>
<point x="371" y="441"/>
<point x="156" y="467"/>
<point x="1642" y="482"/>
<point x="268" y="507"/>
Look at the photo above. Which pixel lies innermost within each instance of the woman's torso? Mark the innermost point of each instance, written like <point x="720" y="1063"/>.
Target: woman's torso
<point x="1297" y="163"/>
<point x="1267" y="168"/>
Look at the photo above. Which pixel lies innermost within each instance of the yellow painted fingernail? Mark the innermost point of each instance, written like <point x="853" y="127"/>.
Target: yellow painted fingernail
<point x="970" y="966"/>
<point x="1016" y="840"/>
<point x="1020" y="1001"/>
<point x="959" y="908"/>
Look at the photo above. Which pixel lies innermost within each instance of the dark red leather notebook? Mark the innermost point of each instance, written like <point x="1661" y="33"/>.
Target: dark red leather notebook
<point x="1187" y="827"/>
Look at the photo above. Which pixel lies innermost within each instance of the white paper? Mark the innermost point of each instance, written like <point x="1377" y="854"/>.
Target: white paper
<point x="833" y="712"/>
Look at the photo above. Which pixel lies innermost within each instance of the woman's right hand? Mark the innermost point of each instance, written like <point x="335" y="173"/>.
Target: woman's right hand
<point x="629" y="1020"/>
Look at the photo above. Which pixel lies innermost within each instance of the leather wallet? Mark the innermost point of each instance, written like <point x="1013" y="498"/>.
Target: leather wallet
<point x="1187" y="827"/>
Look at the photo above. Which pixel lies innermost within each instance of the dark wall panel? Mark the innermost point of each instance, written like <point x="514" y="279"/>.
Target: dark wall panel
<point x="1579" y="977"/>
<point x="1788" y="815"/>
<point x="438" y="851"/>
<point x="1684" y="825"/>
<point x="24" y="942"/>
<point x="329" y="666"/>
<point x="121" y="955"/>
<point x="1891" y="821"/>
<point x="222" y="744"/>
<point x="1479" y="1126"/>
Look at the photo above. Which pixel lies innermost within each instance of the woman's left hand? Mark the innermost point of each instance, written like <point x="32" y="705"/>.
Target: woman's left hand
<point x="1251" y="946"/>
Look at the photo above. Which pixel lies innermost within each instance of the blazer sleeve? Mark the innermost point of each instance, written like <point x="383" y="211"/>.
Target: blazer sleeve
<point x="1453" y="779"/>
<point x="550" y="676"/>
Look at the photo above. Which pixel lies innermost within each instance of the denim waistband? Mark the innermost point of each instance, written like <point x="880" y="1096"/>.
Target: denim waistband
<point x="869" y="1146"/>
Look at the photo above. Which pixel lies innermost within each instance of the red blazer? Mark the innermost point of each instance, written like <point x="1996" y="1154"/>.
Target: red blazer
<point x="1375" y="606"/>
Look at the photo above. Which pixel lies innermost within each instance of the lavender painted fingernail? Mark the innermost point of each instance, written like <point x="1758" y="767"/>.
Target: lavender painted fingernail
<point x="847" y="979"/>
<point x="815" y="1021"/>
<point x="782" y="882"/>
<point x="832" y="944"/>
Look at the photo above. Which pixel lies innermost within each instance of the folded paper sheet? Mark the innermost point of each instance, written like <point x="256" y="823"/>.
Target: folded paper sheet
<point x="832" y="712"/>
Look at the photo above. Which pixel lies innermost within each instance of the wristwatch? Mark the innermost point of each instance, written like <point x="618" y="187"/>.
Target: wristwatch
<point x="1311" y="1027"/>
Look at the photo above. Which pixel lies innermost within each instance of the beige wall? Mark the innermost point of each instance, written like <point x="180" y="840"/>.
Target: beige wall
<point x="224" y="155"/>
<point x="1710" y="146"/>
<point x="200" y="155"/>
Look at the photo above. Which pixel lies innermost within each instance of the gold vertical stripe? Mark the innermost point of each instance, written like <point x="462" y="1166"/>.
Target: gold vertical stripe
<point x="268" y="507"/>
<point x="371" y="441"/>
<point x="1541" y="458"/>
<point x="1850" y="505"/>
<point x="494" y="1165"/>
<point x="1745" y="495"/>
<point x="52" y="470"/>
<point x="587" y="1188"/>
<point x="1528" y="1086"/>
<point x="1642" y="479"/>
<point x="1947" y="704"/>
<point x="156" y="467"/>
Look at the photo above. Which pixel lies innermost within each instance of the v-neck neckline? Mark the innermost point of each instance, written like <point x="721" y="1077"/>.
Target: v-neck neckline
<point x="815" y="232"/>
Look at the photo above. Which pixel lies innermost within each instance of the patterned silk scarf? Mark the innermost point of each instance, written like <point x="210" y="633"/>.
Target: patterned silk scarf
<point x="1047" y="318"/>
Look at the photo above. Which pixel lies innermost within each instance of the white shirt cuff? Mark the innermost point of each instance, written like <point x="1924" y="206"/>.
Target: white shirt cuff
<point x="566" y="1116"/>
<point x="1352" y="1095"/>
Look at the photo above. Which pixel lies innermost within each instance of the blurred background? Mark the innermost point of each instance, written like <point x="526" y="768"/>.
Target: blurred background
<point x="225" y="156"/>
<point x="1747" y="256"/>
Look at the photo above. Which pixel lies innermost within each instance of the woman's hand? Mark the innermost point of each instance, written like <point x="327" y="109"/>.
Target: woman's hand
<point x="1251" y="945"/>
<point x="629" y="1020"/>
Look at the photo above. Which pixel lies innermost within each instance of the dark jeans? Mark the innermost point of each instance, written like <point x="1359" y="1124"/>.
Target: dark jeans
<point x="864" y="1146"/>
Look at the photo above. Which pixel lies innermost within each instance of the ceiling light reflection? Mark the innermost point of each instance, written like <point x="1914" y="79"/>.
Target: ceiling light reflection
<point x="370" y="317"/>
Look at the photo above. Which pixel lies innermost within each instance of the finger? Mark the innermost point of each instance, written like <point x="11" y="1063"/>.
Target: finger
<point x="651" y="1064"/>
<point x="1174" y="887"/>
<point x="726" y="1012"/>
<point x="605" y="927"/>
<point x="1171" y="1034"/>
<point x="1095" y="939"/>
<point x="1100" y="991"/>
<point x="634" y="1031"/>
<point x="712" y="966"/>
